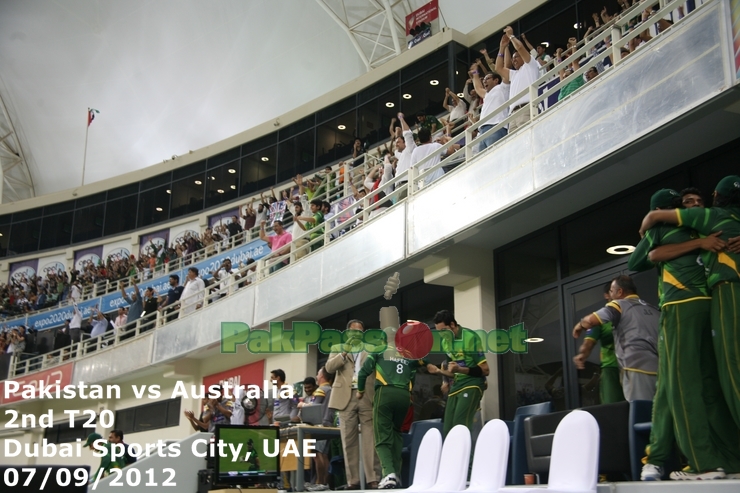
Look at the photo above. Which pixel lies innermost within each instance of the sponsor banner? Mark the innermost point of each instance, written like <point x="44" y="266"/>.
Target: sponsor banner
<point x="61" y="375"/>
<point x="110" y="302"/>
<point x="55" y="264"/>
<point x="251" y="374"/>
<point x="158" y="239"/>
<point x="19" y="270"/>
<point x="83" y="257"/>
<point x="421" y="22"/>
<point x="184" y="231"/>
<point x="222" y="218"/>
<point x="735" y="15"/>
<point x="117" y="251"/>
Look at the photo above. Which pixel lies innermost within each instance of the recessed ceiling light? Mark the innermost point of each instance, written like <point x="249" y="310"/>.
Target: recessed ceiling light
<point x="232" y="170"/>
<point x="390" y="104"/>
<point x="546" y="44"/>
<point x="1" y="234"/>
<point x="434" y="82"/>
<point x="159" y="209"/>
<point x="534" y="339"/>
<point x="198" y="182"/>
<point x="213" y="178"/>
<point x="233" y="187"/>
<point x="220" y="191"/>
<point x="341" y="127"/>
<point x="169" y="191"/>
<point x="620" y="249"/>
<point x="407" y="96"/>
<point x="265" y="158"/>
<point x="575" y="26"/>
<point x="456" y="72"/>
<point x="460" y="95"/>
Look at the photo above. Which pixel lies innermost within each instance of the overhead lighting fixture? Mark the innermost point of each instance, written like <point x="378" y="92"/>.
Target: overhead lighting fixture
<point x="546" y="44"/>
<point x="233" y="187"/>
<point x="460" y="95"/>
<point x="265" y="158"/>
<point x="198" y="182"/>
<point x="213" y="178"/>
<point x="1" y="234"/>
<point x="220" y="191"/>
<point x="159" y="209"/>
<point x="341" y="127"/>
<point x="390" y="104"/>
<point x="407" y="96"/>
<point x="534" y="339"/>
<point x="577" y="25"/>
<point x="434" y="82"/>
<point x="620" y="249"/>
<point x="169" y="191"/>
<point x="456" y="72"/>
<point x="232" y="170"/>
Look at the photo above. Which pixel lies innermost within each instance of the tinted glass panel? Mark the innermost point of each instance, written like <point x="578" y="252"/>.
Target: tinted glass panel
<point x="29" y="214"/>
<point x="296" y="128"/>
<point x="259" y="144"/>
<point x="61" y="207"/>
<point x="224" y="157"/>
<point x="295" y="156"/>
<point x="24" y="236"/>
<point x="125" y="420"/>
<point x="222" y="184"/>
<point x="121" y="215"/>
<point x="420" y="66"/>
<point x="4" y="238"/>
<point x="425" y="96"/>
<point x="154" y="206"/>
<point x="187" y="195"/>
<point x="528" y="265"/>
<point x="334" y="142"/>
<point x="258" y="171"/>
<point x="56" y="230"/>
<point x="88" y="223"/>
<point x="335" y="110"/>
<point x="173" y="412"/>
<point x="90" y="200"/>
<point x="189" y="170"/>
<point x="123" y="191"/>
<point x="151" y="417"/>
<point x="382" y="87"/>
<point x="374" y="117"/>
<point x="156" y="181"/>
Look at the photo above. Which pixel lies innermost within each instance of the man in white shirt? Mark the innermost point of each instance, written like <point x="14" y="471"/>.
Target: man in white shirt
<point x="300" y="238"/>
<point x="226" y="276"/>
<point x="425" y="148"/>
<point x="193" y="294"/>
<point x="405" y="146"/>
<point x="525" y="72"/>
<point x="495" y="93"/>
<point x="75" y="324"/>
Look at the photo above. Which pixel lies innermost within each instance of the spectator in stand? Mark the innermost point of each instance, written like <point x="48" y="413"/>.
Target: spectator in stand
<point x="62" y="340"/>
<point x="193" y="293"/>
<point x="455" y="106"/>
<point x="167" y="304"/>
<point x="99" y="323"/>
<point x="150" y="309"/>
<point x="248" y="216"/>
<point x="525" y="72"/>
<point x="358" y="149"/>
<point x="539" y="54"/>
<point x="313" y="223"/>
<point x="405" y="145"/>
<point x="300" y="238"/>
<point x="427" y="147"/>
<point x="75" y="324"/>
<point x="226" y="276"/>
<point x="136" y="305"/>
<point x="495" y="93"/>
<point x="121" y="319"/>
<point x="16" y="340"/>
<point x="75" y="291"/>
<point x="429" y="122"/>
<point x="218" y="411"/>
<point x="279" y="242"/>
<point x="235" y="228"/>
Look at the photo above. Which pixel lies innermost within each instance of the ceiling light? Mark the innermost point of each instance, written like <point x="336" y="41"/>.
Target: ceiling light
<point x="233" y="187"/>
<point x="213" y="178"/>
<point x="1" y="234"/>
<point x="390" y="104"/>
<point x="546" y="44"/>
<point x="341" y="127"/>
<point x="265" y="159"/>
<point x="198" y="182"/>
<point x="456" y="72"/>
<point x="232" y="170"/>
<point x="220" y="191"/>
<point x="620" y="249"/>
<point x="407" y="96"/>
<point x="159" y="209"/>
<point x="460" y="95"/>
<point x="169" y="191"/>
<point x="434" y="82"/>
<point x="534" y="339"/>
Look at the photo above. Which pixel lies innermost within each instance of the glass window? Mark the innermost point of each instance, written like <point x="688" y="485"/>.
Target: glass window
<point x="374" y="117"/>
<point x="258" y="171"/>
<point x="4" y="238"/>
<point x="189" y="170"/>
<point x="63" y="433"/>
<point x="56" y="230"/>
<point x="98" y="198"/>
<point x="224" y="157"/>
<point x="24" y="236"/>
<point x="334" y="138"/>
<point x="124" y="191"/>
<point x="296" y="155"/>
<point x="528" y="265"/>
<point x="537" y="375"/>
<point x="29" y="214"/>
<point x="156" y="181"/>
<point x="60" y="207"/>
<point x="88" y="223"/>
<point x="154" y="206"/>
<point x="125" y="420"/>
<point x="425" y="94"/>
<point x="222" y="183"/>
<point x="187" y="195"/>
<point x="121" y="215"/>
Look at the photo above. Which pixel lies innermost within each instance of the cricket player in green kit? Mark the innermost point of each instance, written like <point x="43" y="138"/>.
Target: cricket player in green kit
<point x="393" y="377"/>
<point x="688" y="404"/>
<point x="689" y="319"/>
<point x="467" y="366"/>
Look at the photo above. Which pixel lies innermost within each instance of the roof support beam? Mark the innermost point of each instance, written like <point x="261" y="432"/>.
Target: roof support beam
<point x="347" y="31"/>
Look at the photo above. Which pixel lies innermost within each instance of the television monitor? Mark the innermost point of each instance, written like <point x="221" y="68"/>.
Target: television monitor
<point x="252" y="466"/>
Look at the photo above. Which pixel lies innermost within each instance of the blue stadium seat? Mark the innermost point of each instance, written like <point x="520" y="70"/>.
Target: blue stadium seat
<point x="411" y="442"/>
<point x="518" y="450"/>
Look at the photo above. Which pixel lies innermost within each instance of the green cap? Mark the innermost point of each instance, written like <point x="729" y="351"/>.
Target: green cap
<point x="91" y="439"/>
<point x="664" y="199"/>
<point x="727" y="184"/>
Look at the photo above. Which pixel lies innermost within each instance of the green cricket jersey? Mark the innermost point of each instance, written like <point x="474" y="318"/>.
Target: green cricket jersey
<point x="680" y="279"/>
<point x="603" y="335"/>
<point x="722" y="266"/>
<point x="395" y="371"/>
<point x="465" y="350"/>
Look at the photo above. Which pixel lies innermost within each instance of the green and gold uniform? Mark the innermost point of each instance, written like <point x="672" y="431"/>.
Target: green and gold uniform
<point x="723" y="278"/>
<point x="610" y="388"/>
<point x="463" y="399"/>
<point x="393" y="377"/>
<point x="687" y="405"/>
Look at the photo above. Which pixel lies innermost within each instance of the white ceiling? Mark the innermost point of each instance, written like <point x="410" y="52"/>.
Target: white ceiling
<point x="171" y="75"/>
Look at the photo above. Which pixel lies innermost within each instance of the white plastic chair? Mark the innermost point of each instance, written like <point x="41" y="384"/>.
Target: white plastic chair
<point x="490" y="458"/>
<point x="427" y="461"/>
<point x="455" y="460"/>
<point x="574" y="460"/>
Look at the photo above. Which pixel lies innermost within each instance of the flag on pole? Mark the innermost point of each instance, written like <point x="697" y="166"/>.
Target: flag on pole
<point x="91" y="115"/>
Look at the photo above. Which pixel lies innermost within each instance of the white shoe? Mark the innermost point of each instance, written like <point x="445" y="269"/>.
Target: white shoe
<point x="734" y="475"/>
<point x="718" y="473"/>
<point x="318" y="487"/>
<point x="651" y="472"/>
<point x="388" y="482"/>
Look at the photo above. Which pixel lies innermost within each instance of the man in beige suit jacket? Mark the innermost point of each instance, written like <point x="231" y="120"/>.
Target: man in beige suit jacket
<point x="345" y="365"/>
